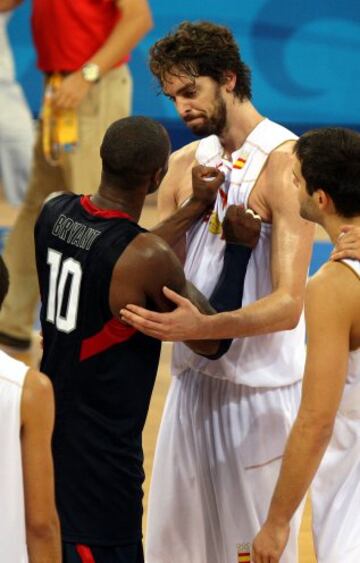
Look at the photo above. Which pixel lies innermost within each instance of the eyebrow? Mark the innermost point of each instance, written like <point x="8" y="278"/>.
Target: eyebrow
<point x="181" y="90"/>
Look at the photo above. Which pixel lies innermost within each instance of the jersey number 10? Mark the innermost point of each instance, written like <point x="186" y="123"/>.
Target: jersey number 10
<point x="63" y="315"/>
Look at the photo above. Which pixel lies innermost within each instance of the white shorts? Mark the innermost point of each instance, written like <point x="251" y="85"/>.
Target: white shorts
<point x="216" y="464"/>
<point x="335" y="492"/>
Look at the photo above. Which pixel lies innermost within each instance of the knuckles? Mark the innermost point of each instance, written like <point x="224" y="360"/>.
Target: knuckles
<point x="241" y="227"/>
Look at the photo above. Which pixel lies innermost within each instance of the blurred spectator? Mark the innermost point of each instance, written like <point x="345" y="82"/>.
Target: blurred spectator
<point x="86" y="45"/>
<point x="16" y="125"/>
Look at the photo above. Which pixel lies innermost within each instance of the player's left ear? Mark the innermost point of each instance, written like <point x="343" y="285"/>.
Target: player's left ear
<point x="323" y="200"/>
<point x="229" y="81"/>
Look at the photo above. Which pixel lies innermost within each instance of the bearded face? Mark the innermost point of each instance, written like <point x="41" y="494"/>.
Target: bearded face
<point x="213" y="121"/>
<point x="199" y="102"/>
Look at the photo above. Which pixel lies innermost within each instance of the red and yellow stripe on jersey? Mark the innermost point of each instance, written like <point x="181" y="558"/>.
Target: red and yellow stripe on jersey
<point x="244" y="555"/>
<point x="239" y="163"/>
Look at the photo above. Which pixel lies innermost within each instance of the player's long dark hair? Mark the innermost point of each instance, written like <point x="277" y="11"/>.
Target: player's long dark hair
<point x="201" y="49"/>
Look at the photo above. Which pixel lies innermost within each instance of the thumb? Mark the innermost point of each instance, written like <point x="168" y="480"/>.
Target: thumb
<point x="173" y="296"/>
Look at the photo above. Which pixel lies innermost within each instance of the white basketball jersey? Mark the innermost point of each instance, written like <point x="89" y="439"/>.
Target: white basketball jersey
<point x="12" y="514"/>
<point x="269" y="360"/>
<point x="353" y="376"/>
<point x="335" y="491"/>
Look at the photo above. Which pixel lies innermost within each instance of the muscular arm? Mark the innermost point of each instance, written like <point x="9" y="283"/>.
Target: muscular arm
<point x="144" y="268"/>
<point x="174" y="190"/>
<point x="329" y="311"/>
<point x="205" y="184"/>
<point x="291" y="245"/>
<point x="135" y="22"/>
<point x="290" y="256"/>
<point x="37" y="416"/>
<point x="176" y="186"/>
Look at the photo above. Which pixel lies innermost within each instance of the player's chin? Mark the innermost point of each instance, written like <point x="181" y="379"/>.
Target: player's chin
<point x="198" y="126"/>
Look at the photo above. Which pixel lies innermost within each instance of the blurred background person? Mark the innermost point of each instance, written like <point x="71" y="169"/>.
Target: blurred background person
<point x="82" y="49"/>
<point x="16" y="124"/>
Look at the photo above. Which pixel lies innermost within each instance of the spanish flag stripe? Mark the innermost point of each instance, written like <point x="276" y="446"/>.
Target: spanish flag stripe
<point x="239" y="163"/>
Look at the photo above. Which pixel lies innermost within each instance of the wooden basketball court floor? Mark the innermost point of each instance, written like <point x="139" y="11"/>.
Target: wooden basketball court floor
<point x="149" y="218"/>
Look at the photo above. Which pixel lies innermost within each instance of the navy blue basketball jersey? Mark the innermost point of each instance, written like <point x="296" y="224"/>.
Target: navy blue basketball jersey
<point x="102" y="372"/>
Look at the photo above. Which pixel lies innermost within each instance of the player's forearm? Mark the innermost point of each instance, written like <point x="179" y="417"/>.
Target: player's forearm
<point x="174" y="227"/>
<point x="126" y="34"/>
<point x="275" y="312"/>
<point x="305" y="448"/>
<point x="208" y="348"/>
<point x="43" y="542"/>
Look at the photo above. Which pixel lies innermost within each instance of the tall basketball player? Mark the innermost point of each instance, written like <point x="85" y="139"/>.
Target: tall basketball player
<point x="92" y="259"/>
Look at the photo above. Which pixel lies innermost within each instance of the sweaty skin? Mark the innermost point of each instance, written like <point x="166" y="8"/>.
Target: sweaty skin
<point x="159" y="266"/>
<point x="198" y="102"/>
<point x="332" y="303"/>
<point x="331" y="332"/>
<point x="274" y="199"/>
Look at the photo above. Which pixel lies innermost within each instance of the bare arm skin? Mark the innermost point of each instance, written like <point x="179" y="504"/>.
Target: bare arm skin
<point x="7" y="5"/>
<point x="176" y="186"/>
<point x="135" y="22"/>
<point x="37" y="417"/>
<point x="291" y="250"/>
<point x="175" y="189"/>
<point x="331" y="305"/>
<point x="142" y="270"/>
<point x="348" y="243"/>
<point x="205" y="183"/>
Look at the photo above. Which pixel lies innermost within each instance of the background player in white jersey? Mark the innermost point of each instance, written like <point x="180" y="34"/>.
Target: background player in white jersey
<point x="225" y="425"/>
<point x="29" y="526"/>
<point x="326" y="432"/>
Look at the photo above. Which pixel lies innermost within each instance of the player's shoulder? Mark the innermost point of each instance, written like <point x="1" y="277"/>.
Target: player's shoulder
<point x="276" y="176"/>
<point x="281" y="158"/>
<point x="150" y="249"/>
<point x="54" y="202"/>
<point x="146" y="258"/>
<point x="37" y="398"/>
<point x="55" y="195"/>
<point x="184" y="156"/>
<point x="37" y="387"/>
<point x="335" y="284"/>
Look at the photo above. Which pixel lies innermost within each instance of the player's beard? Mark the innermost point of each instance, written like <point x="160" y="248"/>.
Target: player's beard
<point x="213" y="124"/>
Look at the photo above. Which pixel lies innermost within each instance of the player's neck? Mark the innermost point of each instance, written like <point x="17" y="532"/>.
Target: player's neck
<point x="333" y="224"/>
<point x="127" y="202"/>
<point x="242" y="118"/>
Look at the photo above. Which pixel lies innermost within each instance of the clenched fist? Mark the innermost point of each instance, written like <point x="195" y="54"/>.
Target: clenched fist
<point x="241" y="226"/>
<point x="205" y="183"/>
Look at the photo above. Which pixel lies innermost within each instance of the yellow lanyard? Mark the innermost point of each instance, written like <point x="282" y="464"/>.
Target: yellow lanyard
<point x="60" y="126"/>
